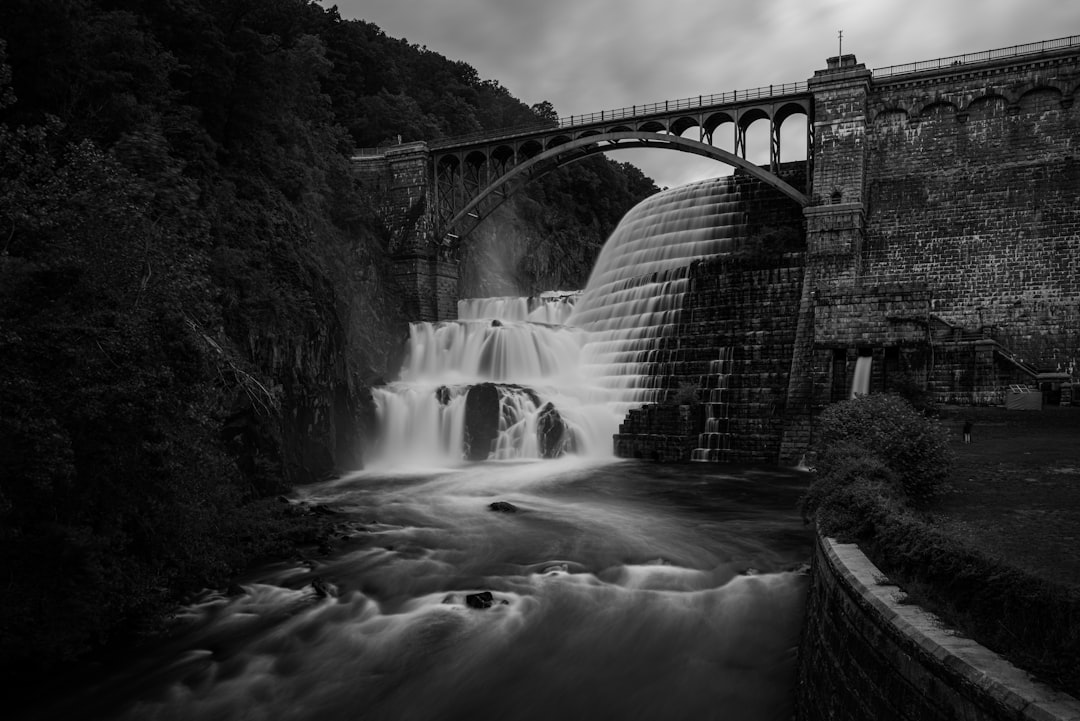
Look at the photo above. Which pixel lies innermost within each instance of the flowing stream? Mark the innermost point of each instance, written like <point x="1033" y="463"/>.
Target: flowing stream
<point x="619" y="590"/>
<point x="593" y="588"/>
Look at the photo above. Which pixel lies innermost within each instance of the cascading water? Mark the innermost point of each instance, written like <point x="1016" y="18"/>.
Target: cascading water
<point x="715" y="443"/>
<point x="860" y="381"/>
<point x="589" y="359"/>
<point x="551" y="308"/>
<point x="499" y="383"/>
<point x="521" y="591"/>
<point x="635" y="292"/>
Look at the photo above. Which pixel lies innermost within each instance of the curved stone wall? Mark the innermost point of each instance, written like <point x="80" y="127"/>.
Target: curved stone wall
<point x="865" y="655"/>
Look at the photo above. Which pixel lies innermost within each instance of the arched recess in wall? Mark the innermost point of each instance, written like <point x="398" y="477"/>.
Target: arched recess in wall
<point x="936" y="110"/>
<point x="1040" y="99"/>
<point x="572" y="151"/>
<point x="985" y="107"/>
<point x="890" y="118"/>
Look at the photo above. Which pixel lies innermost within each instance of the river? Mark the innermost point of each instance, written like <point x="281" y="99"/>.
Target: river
<point x="619" y="590"/>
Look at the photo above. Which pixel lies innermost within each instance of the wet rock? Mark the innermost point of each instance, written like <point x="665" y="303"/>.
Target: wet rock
<point x="483" y="600"/>
<point x="554" y="437"/>
<point x="481" y="420"/>
<point x="496" y="323"/>
<point x="502" y="507"/>
<point x="323" y="589"/>
<point x="442" y="395"/>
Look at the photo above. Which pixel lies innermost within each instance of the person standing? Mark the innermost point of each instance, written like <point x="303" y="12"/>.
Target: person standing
<point x="967" y="430"/>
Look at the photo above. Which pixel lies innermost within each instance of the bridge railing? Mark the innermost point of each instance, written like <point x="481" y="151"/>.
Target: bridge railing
<point x="701" y="101"/>
<point x="985" y="55"/>
<point x="633" y="111"/>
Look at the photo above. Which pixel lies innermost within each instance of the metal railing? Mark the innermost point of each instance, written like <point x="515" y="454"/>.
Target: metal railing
<point x="701" y="101"/>
<point x="985" y="55"/>
<point x="633" y="111"/>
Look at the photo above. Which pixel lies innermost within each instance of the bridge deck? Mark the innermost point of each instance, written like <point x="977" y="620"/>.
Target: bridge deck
<point x="716" y="101"/>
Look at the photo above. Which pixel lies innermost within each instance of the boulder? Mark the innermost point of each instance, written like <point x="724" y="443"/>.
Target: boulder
<point x="552" y="434"/>
<point x="502" y="507"/>
<point x="483" y="600"/>
<point x="481" y="420"/>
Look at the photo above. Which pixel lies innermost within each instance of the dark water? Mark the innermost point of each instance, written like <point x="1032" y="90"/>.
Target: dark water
<point x="632" y="591"/>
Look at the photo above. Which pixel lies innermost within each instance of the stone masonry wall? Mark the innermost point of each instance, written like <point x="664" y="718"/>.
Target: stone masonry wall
<point x="746" y="302"/>
<point x="872" y="315"/>
<point x="398" y="182"/>
<point x="664" y="433"/>
<point x="974" y="189"/>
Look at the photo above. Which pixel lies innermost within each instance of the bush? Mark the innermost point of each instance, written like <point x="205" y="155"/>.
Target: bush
<point x="886" y="431"/>
<point x="848" y="479"/>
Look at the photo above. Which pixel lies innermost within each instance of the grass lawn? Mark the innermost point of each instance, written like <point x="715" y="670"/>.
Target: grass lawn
<point x="1015" y="489"/>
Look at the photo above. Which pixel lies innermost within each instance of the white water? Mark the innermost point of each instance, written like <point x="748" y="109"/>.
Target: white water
<point x="551" y="308"/>
<point x="715" y="443"/>
<point x="631" y="590"/>
<point x="860" y="382"/>
<point x="588" y="356"/>
<point x="635" y="292"/>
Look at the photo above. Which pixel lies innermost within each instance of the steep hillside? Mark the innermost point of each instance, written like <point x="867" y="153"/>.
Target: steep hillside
<point x="193" y="303"/>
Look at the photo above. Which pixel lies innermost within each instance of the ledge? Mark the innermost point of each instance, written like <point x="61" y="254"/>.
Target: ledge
<point x="984" y="684"/>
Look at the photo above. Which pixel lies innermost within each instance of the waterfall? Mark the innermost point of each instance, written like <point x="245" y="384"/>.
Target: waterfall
<point x="560" y="369"/>
<point x="502" y="382"/>
<point x="634" y="295"/>
<point x="860" y="383"/>
<point x="715" y="443"/>
<point x="552" y="308"/>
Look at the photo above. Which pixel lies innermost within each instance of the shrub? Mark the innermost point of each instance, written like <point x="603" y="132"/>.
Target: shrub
<point x="848" y="480"/>
<point x="886" y="430"/>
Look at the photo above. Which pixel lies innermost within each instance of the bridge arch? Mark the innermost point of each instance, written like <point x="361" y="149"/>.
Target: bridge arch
<point x="487" y="199"/>
<point x="682" y="124"/>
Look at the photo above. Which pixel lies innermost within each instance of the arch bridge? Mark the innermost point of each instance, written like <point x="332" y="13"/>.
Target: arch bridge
<point x="472" y="175"/>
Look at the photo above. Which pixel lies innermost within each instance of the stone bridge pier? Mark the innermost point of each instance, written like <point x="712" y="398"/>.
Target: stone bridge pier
<point x="397" y="179"/>
<point x="835" y="225"/>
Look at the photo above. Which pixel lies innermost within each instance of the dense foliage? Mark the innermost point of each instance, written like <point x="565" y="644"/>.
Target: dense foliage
<point x="874" y="444"/>
<point x="193" y="300"/>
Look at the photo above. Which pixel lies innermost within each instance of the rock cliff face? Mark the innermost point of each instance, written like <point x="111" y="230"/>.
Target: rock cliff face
<point x="321" y="370"/>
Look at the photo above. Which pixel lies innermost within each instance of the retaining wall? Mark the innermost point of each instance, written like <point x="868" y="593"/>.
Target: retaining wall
<point x="866" y="655"/>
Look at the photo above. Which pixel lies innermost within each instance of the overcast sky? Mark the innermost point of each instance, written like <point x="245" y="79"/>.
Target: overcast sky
<point x="590" y="55"/>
